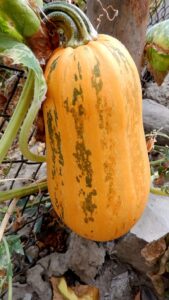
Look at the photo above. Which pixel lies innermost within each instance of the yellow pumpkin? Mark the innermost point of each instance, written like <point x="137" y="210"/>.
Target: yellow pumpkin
<point x="97" y="163"/>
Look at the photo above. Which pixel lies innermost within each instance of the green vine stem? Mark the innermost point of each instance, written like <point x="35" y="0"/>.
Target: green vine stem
<point x="25" y="130"/>
<point x="158" y="191"/>
<point x="18" y="116"/>
<point x="42" y="186"/>
<point x="154" y="163"/>
<point x="9" y="271"/>
<point x="24" y="191"/>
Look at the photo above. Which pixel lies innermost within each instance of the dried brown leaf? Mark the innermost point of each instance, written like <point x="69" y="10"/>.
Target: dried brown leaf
<point x="53" y="234"/>
<point x="167" y="267"/>
<point x="3" y="100"/>
<point x="81" y="292"/>
<point x="86" y="291"/>
<point x="18" y="223"/>
<point x="153" y="251"/>
<point x="163" y="262"/>
<point x="56" y="294"/>
<point x="158" y="283"/>
<point x="157" y="75"/>
<point x="40" y="127"/>
<point x="147" y="294"/>
<point x="40" y="44"/>
<point x="150" y="141"/>
<point x="78" y="293"/>
<point x="138" y="296"/>
<point x="2" y="272"/>
<point x="53" y="237"/>
<point x="159" y="181"/>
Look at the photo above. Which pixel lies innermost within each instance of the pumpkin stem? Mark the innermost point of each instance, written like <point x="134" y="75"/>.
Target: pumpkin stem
<point x="84" y="31"/>
<point x="62" y="21"/>
<point x="91" y="30"/>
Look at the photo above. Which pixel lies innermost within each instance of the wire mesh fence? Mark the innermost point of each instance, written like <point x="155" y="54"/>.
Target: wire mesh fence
<point x="15" y="170"/>
<point x="159" y="11"/>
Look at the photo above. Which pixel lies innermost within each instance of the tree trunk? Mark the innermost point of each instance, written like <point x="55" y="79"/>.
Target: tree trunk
<point x="129" y="26"/>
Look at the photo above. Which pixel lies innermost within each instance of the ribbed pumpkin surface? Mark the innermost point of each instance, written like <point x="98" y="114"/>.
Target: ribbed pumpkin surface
<point x="97" y="163"/>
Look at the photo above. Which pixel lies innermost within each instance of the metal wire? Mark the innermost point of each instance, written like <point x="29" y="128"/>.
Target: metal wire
<point x="159" y="12"/>
<point x="18" y="164"/>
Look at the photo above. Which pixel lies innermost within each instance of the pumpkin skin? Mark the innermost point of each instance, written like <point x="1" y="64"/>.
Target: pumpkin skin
<point x="97" y="163"/>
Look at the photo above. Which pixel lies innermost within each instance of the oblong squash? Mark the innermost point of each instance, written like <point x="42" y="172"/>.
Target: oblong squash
<point x="97" y="163"/>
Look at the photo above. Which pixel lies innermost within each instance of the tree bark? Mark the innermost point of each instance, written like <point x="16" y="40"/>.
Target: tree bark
<point x="129" y="26"/>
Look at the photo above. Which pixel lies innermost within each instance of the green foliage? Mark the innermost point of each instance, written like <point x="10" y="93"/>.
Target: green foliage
<point x="8" y="247"/>
<point x="35" y="87"/>
<point x="156" y="53"/>
<point x="14" y="245"/>
<point x="22" y="16"/>
<point x="6" y="27"/>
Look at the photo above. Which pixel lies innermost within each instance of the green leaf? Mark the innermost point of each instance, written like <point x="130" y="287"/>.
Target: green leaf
<point x="31" y="211"/>
<point x="159" y="35"/>
<point x="22" y="202"/>
<point x="7" y="27"/>
<point x="35" y="87"/>
<point x="156" y="52"/>
<point x="38" y="225"/>
<point x="21" y="54"/>
<point x="14" y="245"/>
<point x="22" y="15"/>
